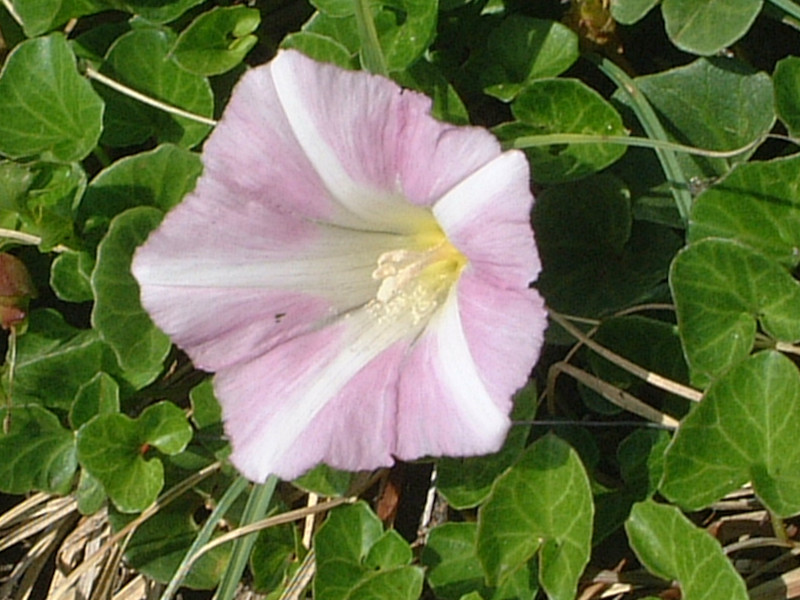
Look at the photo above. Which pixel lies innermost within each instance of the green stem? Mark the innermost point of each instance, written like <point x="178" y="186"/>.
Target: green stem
<point x="254" y="510"/>
<point x="652" y="126"/>
<point x="228" y="498"/>
<point x="530" y="141"/>
<point x="371" y="52"/>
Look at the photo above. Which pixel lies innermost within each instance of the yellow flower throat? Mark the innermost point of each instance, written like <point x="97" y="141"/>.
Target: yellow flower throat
<point x="416" y="279"/>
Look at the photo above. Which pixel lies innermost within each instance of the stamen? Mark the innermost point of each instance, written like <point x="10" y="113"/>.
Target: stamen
<point x="414" y="282"/>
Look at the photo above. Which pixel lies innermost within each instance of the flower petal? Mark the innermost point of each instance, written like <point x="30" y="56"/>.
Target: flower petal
<point x="487" y="217"/>
<point x="366" y="134"/>
<point x="444" y="408"/>
<point x="327" y="396"/>
<point x="226" y="295"/>
<point x="504" y="330"/>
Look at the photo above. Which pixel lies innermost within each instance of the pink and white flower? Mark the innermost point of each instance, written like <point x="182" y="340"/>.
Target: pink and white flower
<point x="355" y="272"/>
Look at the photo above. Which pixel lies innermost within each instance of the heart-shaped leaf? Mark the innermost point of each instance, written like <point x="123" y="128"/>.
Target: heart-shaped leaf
<point x="756" y="204"/>
<point x="48" y="109"/>
<point x="355" y="559"/>
<point x="745" y="429"/>
<point x="669" y="545"/>
<point x="706" y="26"/>
<point x="113" y="449"/>
<point x="217" y="40"/>
<point x="141" y="60"/>
<point x="541" y="505"/>
<point x="117" y="315"/>
<point x="722" y="290"/>
<point x="552" y="106"/>
<point x="39" y="454"/>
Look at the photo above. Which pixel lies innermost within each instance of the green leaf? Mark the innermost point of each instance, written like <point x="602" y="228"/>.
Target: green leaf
<point x="757" y="204"/>
<point x="140" y="59"/>
<point x="70" y="276"/>
<point x="43" y="197"/>
<point x="405" y="29"/>
<point x="98" y="396"/>
<point x="140" y="347"/>
<point x="48" y="109"/>
<point x="217" y="40"/>
<point x="43" y="15"/>
<point x="706" y="27"/>
<point x="467" y="482"/>
<point x="671" y="547"/>
<point x="454" y="570"/>
<point x="721" y="290"/>
<point x="112" y="448"/>
<point x="356" y="560"/>
<point x="90" y="494"/>
<point x="160" y="543"/>
<point x="787" y="93"/>
<point x="158" y="178"/>
<point x="319" y="47"/>
<point x="641" y="460"/>
<point x="275" y="557"/>
<point x="521" y="49"/>
<point x="425" y="77"/>
<point x="716" y="104"/>
<point x="552" y="106"/>
<point x="325" y="481"/>
<point x="39" y="454"/>
<point x="159" y="11"/>
<point x="628" y="12"/>
<point x="54" y="360"/>
<point x="595" y="260"/>
<point x="745" y="429"/>
<point x="206" y="410"/>
<point x="542" y="505"/>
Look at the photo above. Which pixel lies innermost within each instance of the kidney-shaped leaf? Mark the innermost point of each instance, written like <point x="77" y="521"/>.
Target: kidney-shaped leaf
<point x="707" y="26"/>
<point x="38" y="453"/>
<point x="217" y="40"/>
<point x="552" y="106"/>
<point x="141" y="60"/>
<point x="48" y="109"/>
<point x="718" y="104"/>
<point x="159" y="178"/>
<point x="756" y="204"/>
<point x="117" y="315"/>
<point x="745" y="429"/>
<point x="669" y="545"/>
<point x="721" y="290"/>
<point x="522" y="49"/>
<point x="542" y="504"/>
<point x="112" y="448"/>
<point x="356" y="559"/>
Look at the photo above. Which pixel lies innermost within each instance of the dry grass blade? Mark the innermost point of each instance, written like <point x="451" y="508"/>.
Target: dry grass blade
<point x="32" y="516"/>
<point x="26" y="573"/>
<point x="172" y="494"/>
<point x="785" y="587"/>
<point x="654" y="379"/>
<point x="614" y="395"/>
<point x="83" y="541"/>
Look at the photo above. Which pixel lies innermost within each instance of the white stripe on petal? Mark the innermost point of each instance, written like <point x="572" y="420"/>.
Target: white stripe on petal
<point x="270" y="402"/>
<point x="487" y="217"/>
<point x="375" y="208"/>
<point x="443" y="406"/>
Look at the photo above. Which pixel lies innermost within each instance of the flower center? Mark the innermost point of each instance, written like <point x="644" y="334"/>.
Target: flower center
<point x="415" y="280"/>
